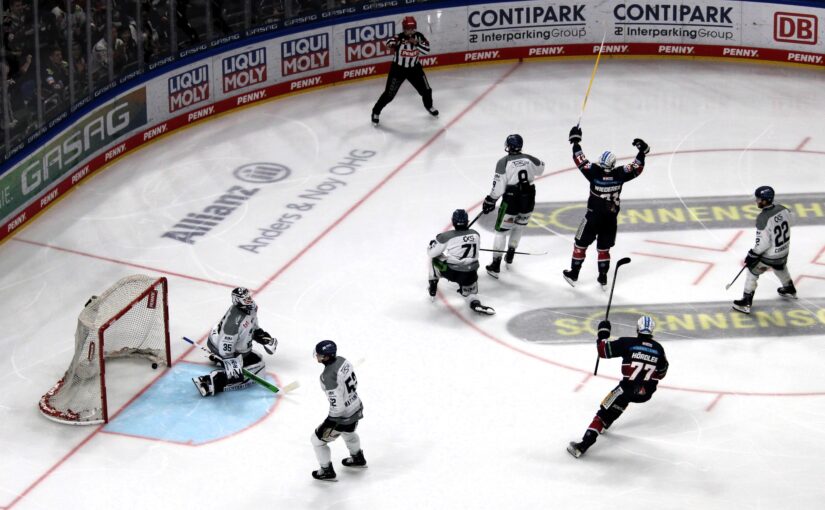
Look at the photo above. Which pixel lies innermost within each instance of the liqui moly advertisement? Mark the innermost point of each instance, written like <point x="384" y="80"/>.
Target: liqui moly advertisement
<point x="188" y="88"/>
<point x="367" y="41"/>
<point x="242" y="70"/>
<point x="304" y="54"/>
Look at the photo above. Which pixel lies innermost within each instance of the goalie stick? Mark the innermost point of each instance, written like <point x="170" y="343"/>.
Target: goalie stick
<point x="515" y="252"/>
<point x="263" y="382"/>
<point x="620" y="263"/>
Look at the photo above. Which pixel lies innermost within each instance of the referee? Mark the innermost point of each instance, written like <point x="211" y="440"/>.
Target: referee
<point x="405" y="66"/>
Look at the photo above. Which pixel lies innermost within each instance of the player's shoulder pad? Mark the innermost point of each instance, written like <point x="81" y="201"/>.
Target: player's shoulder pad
<point x="762" y="219"/>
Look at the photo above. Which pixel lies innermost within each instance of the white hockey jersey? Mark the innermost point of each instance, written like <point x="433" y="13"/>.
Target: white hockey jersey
<point x="773" y="235"/>
<point x="515" y="171"/>
<point x="340" y="385"/>
<point x="233" y="334"/>
<point x="458" y="248"/>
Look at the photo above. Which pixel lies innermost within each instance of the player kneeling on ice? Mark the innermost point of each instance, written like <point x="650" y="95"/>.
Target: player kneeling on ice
<point x="345" y="410"/>
<point x="230" y="343"/>
<point x="454" y="256"/>
<point x="643" y="365"/>
<point x="771" y="249"/>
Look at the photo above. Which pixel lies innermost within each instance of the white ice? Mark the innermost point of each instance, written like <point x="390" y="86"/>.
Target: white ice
<point x="459" y="413"/>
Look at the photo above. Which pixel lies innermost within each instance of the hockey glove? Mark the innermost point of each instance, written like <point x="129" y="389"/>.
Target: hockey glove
<point x="575" y="134"/>
<point x="604" y="330"/>
<point x="640" y="144"/>
<point x="488" y="205"/>
<point x="265" y="339"/>
<point x="751" y="259"/>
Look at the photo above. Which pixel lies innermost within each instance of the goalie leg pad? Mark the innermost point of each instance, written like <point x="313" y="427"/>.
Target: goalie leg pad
<point x="205" y="385"/>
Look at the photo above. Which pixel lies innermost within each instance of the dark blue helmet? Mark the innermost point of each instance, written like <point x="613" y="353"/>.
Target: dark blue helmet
<point x="514" y="143"/>
<point x="460" y="219"/>
<point x="765" y="193"/>
<point x="326" y="348"/>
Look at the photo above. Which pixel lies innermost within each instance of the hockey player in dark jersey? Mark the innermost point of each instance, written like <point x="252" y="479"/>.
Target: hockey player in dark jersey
<point x="643" y="365"/>
<point x="454" y="256"/>
<point x="407" y="46"/>
<point x="599" y="223"/>
<point x="345" y="411"/>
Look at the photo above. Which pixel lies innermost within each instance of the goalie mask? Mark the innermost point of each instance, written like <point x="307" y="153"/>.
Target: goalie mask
<point x="607" y="161"/>
<point x="645" y="325"/>
<point x="243" y="300"/>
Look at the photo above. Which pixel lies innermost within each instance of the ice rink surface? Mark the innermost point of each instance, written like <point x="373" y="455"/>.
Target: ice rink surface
<point x="459" y="412"/>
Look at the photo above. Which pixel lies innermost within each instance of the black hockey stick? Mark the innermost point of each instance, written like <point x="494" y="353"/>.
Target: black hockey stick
<point x="263" y="382"/>
<point x="475" y="219"/>
<point x="620" y="263"/>
<point x="515" y="252"/>
<point x="735" y="278"/>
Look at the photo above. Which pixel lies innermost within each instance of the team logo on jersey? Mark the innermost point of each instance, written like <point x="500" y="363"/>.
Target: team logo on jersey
<point x="188" y="88"/>
<point x="367" y="41"/>
<point x="262" y="173"/>
<point x="244" y="69"/>
<point x="304" y="54"/>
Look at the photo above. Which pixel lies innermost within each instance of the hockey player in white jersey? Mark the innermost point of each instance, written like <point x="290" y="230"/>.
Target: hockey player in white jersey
<point x="770" y="251"/>
<point x="339" y="383"/>
<point x="514" y="177"/>
<point x="230" y="343"/>
<point x="454" y="256"/>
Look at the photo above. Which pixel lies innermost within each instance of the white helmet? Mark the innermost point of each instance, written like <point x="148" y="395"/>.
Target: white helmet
<point x="242" y="298"/>
<point x="607" y="161"/>
<point x="645" y="325"/>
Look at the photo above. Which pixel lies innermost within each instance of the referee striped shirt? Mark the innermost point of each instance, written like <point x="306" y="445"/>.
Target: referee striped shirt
<point x="407" y="51"/>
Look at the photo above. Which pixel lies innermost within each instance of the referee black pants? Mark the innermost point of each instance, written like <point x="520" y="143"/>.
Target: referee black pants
<point x="415" y="75"/>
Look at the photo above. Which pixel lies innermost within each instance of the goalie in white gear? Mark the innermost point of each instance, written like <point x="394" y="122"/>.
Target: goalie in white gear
<point x="230" y="343"/>
<point x="454" y="256"/>
<point x="514" y="177"/>
<point x="339" y="383"/>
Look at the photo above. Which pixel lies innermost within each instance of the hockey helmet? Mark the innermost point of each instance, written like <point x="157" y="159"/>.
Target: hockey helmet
<point x="645" y="325"/>
<point x="243" y="299"/>
<point x="409" y="23"/>
<point x="460" y="219"/>
<point x="326" y="348"/>
<point x="513" y="144"/>
<point x="607" y="161"/>
<point x="765" y="193"/>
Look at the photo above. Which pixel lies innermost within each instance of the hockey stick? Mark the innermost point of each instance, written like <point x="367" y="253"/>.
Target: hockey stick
<point x="475" y="219"/>
<point x="516" y="252"/>
<point x="592" y="77"/>
<point x="263" y="382"/>
<point x="620" y="263"/>
<point x="735" y="278"/>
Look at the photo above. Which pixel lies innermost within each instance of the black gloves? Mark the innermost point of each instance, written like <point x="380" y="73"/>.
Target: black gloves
<point x="751" y="259"/>
<point x="575" y="135"/>
<point x="489" y="204"/>
<point x="640" y="144"/>
<point x="604" y="330"/>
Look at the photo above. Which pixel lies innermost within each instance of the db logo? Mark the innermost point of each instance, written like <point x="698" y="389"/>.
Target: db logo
<point x="795" y="28"/>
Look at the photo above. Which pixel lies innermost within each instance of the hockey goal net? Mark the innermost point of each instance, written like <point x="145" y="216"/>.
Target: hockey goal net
<point x="130" y="319"/>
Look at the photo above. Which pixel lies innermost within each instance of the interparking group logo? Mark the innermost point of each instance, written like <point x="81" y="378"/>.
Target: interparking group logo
<point x="365" y="42"/>
<point x="244" y="69"/>
<point x="793" y="27"/>
<point x="262" y="173"/>
<point x="188" y="88"/>
<point x="304" y="54"/>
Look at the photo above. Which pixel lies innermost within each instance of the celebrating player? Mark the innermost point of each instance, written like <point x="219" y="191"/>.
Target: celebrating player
<point x="230" y="342"/>
<point x="406" y="46"/>
<point x="773" y="243"/>
<point x="514" y="178"/>
<point x="599" y="222"/>
<point x="454" y="256"/>
<point x="345" y="410"/>
<point x="643" y="365"/>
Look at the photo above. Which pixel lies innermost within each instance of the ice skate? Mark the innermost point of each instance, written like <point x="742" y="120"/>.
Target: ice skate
<point x="374" y="118"/>
<point x="477" y="307"/>
<point x="511" y="253"/>
<point x="433" y="289"/>
<point x="571" y="276"/>
<point x="788" y="292"/>
<point x="355" y="461"/>
<point x="325" y="474"/>
<point x="432" y="111"/>
<point x="576" y="449"/>
<point x="204" y="385"/>
<point x="602" y="279"/>
<point x="494" y="268"/>
<point x="744" y="305"/>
